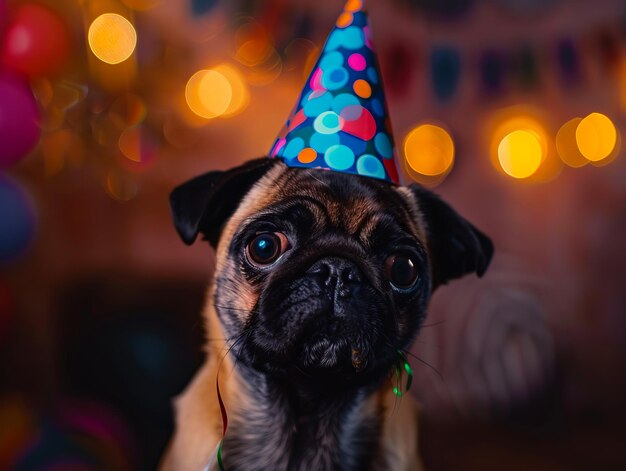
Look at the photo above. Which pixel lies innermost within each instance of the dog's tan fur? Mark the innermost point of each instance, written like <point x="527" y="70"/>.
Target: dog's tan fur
<point x="198" y="418"/>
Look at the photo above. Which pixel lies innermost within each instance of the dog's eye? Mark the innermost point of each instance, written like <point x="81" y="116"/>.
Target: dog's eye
<point x="266" y="248"/>
<point x="401" y="271"/>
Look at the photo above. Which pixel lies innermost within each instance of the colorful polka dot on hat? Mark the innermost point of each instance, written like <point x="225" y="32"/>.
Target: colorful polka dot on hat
<point x="341" y="122"/>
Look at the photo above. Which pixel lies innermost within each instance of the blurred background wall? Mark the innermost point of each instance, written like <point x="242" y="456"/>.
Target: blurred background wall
<point x="513" y="110"/>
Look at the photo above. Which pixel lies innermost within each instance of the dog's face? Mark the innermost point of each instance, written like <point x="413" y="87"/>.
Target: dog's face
<point x="321" y="277"/>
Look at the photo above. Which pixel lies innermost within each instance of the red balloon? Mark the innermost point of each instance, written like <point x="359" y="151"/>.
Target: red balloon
<point x="3" y="13"/>
<point x="37" y="42"/>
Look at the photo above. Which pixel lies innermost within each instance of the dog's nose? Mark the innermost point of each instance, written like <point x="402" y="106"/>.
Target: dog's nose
<point x="337" y="273"/>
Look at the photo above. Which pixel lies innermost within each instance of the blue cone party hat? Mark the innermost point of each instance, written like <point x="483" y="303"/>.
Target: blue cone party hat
<point x="340" y="122"/>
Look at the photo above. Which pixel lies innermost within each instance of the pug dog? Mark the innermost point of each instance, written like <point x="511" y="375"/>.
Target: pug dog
<point x="322" y="280"/>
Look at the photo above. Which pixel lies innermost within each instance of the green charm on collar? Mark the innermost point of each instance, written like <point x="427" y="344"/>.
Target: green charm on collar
<point x="403" y="364"/>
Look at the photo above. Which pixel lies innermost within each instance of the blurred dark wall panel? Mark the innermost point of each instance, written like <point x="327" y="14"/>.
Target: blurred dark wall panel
<point x="134" y="344"/>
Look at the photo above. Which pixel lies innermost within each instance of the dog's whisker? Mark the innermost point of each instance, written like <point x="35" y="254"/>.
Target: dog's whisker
<point x="310" y="173"/>
<point x="424" y="362"/>
<point x="230" y="348"/>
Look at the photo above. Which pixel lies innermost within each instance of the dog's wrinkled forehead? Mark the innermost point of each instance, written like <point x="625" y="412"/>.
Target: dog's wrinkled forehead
<point x="346" y="204"/>
<point x="217" y="204"/>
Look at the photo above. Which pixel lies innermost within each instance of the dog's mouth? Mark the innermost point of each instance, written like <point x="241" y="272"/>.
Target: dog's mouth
<point x="329" y="349"/>
<point x="324" y="352"/>
<point x="305" y="330"/>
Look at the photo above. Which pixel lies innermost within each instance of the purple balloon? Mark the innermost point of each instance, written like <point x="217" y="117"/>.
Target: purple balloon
<point x="19" y="119"/>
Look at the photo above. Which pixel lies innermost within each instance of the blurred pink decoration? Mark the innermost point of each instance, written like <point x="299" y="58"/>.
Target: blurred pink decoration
<point x="19" y="120"/>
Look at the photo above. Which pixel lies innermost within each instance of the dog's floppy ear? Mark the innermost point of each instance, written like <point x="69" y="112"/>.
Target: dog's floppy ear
<point x="205" y="203"/>
<point x="456" y="246"/>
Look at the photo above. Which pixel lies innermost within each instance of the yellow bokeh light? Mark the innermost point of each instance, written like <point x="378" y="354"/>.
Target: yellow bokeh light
<point x="567" y="147"/>
<point x="112" y="38"/>
<point x="240" y="92"/>
<point x="429" y="150"/>
<point x="520" y="153"/>
<point x="209" y="94"/>
<point x="596" y="137"/>
<point x="521" y="146"/>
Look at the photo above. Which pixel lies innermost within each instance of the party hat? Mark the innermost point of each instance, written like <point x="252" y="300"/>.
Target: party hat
<point x="341" y="122"/>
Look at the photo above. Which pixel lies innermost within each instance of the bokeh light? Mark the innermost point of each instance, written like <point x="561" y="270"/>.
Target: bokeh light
<point x="567" y="147"/>
<point x="128" y="111"/>
<point x="120" y="186"/>
<point x="217" y="92"/>
<point x="137" y="148"/>
<point x="520" y="145"/>
<point x="255" y="50"/>
<point x="254" y="44"/>
<point x="208" y="94"/>
<point x="596" y="137"/>
<point x="520" y="153"/>
<point x="112" y="38"/>
<point x="239" y="88"/>
<point x="429" y="150"/>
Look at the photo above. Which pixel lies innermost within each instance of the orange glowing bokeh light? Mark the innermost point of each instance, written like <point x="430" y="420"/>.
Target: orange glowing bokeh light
<point x="112" y="38"/>
<point x="596" y="137"/>
<point x="219" y="92"/>
<point x="520" y="146"/>
<point x="209" y="94"/>
<point x="239" y="89"/>
<point x="520" y="153"/>
<point x="567" y="147"/>
<point x="254" y="45"/>
<point x="429" y="150"/>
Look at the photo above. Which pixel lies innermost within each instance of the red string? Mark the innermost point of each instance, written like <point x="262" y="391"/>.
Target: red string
<point x="222" y="407"/>
<point x="224" y="421"/>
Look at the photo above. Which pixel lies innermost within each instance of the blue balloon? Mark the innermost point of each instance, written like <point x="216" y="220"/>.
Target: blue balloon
<point x="17" y="220"/>
<point x="445" y="66"/>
